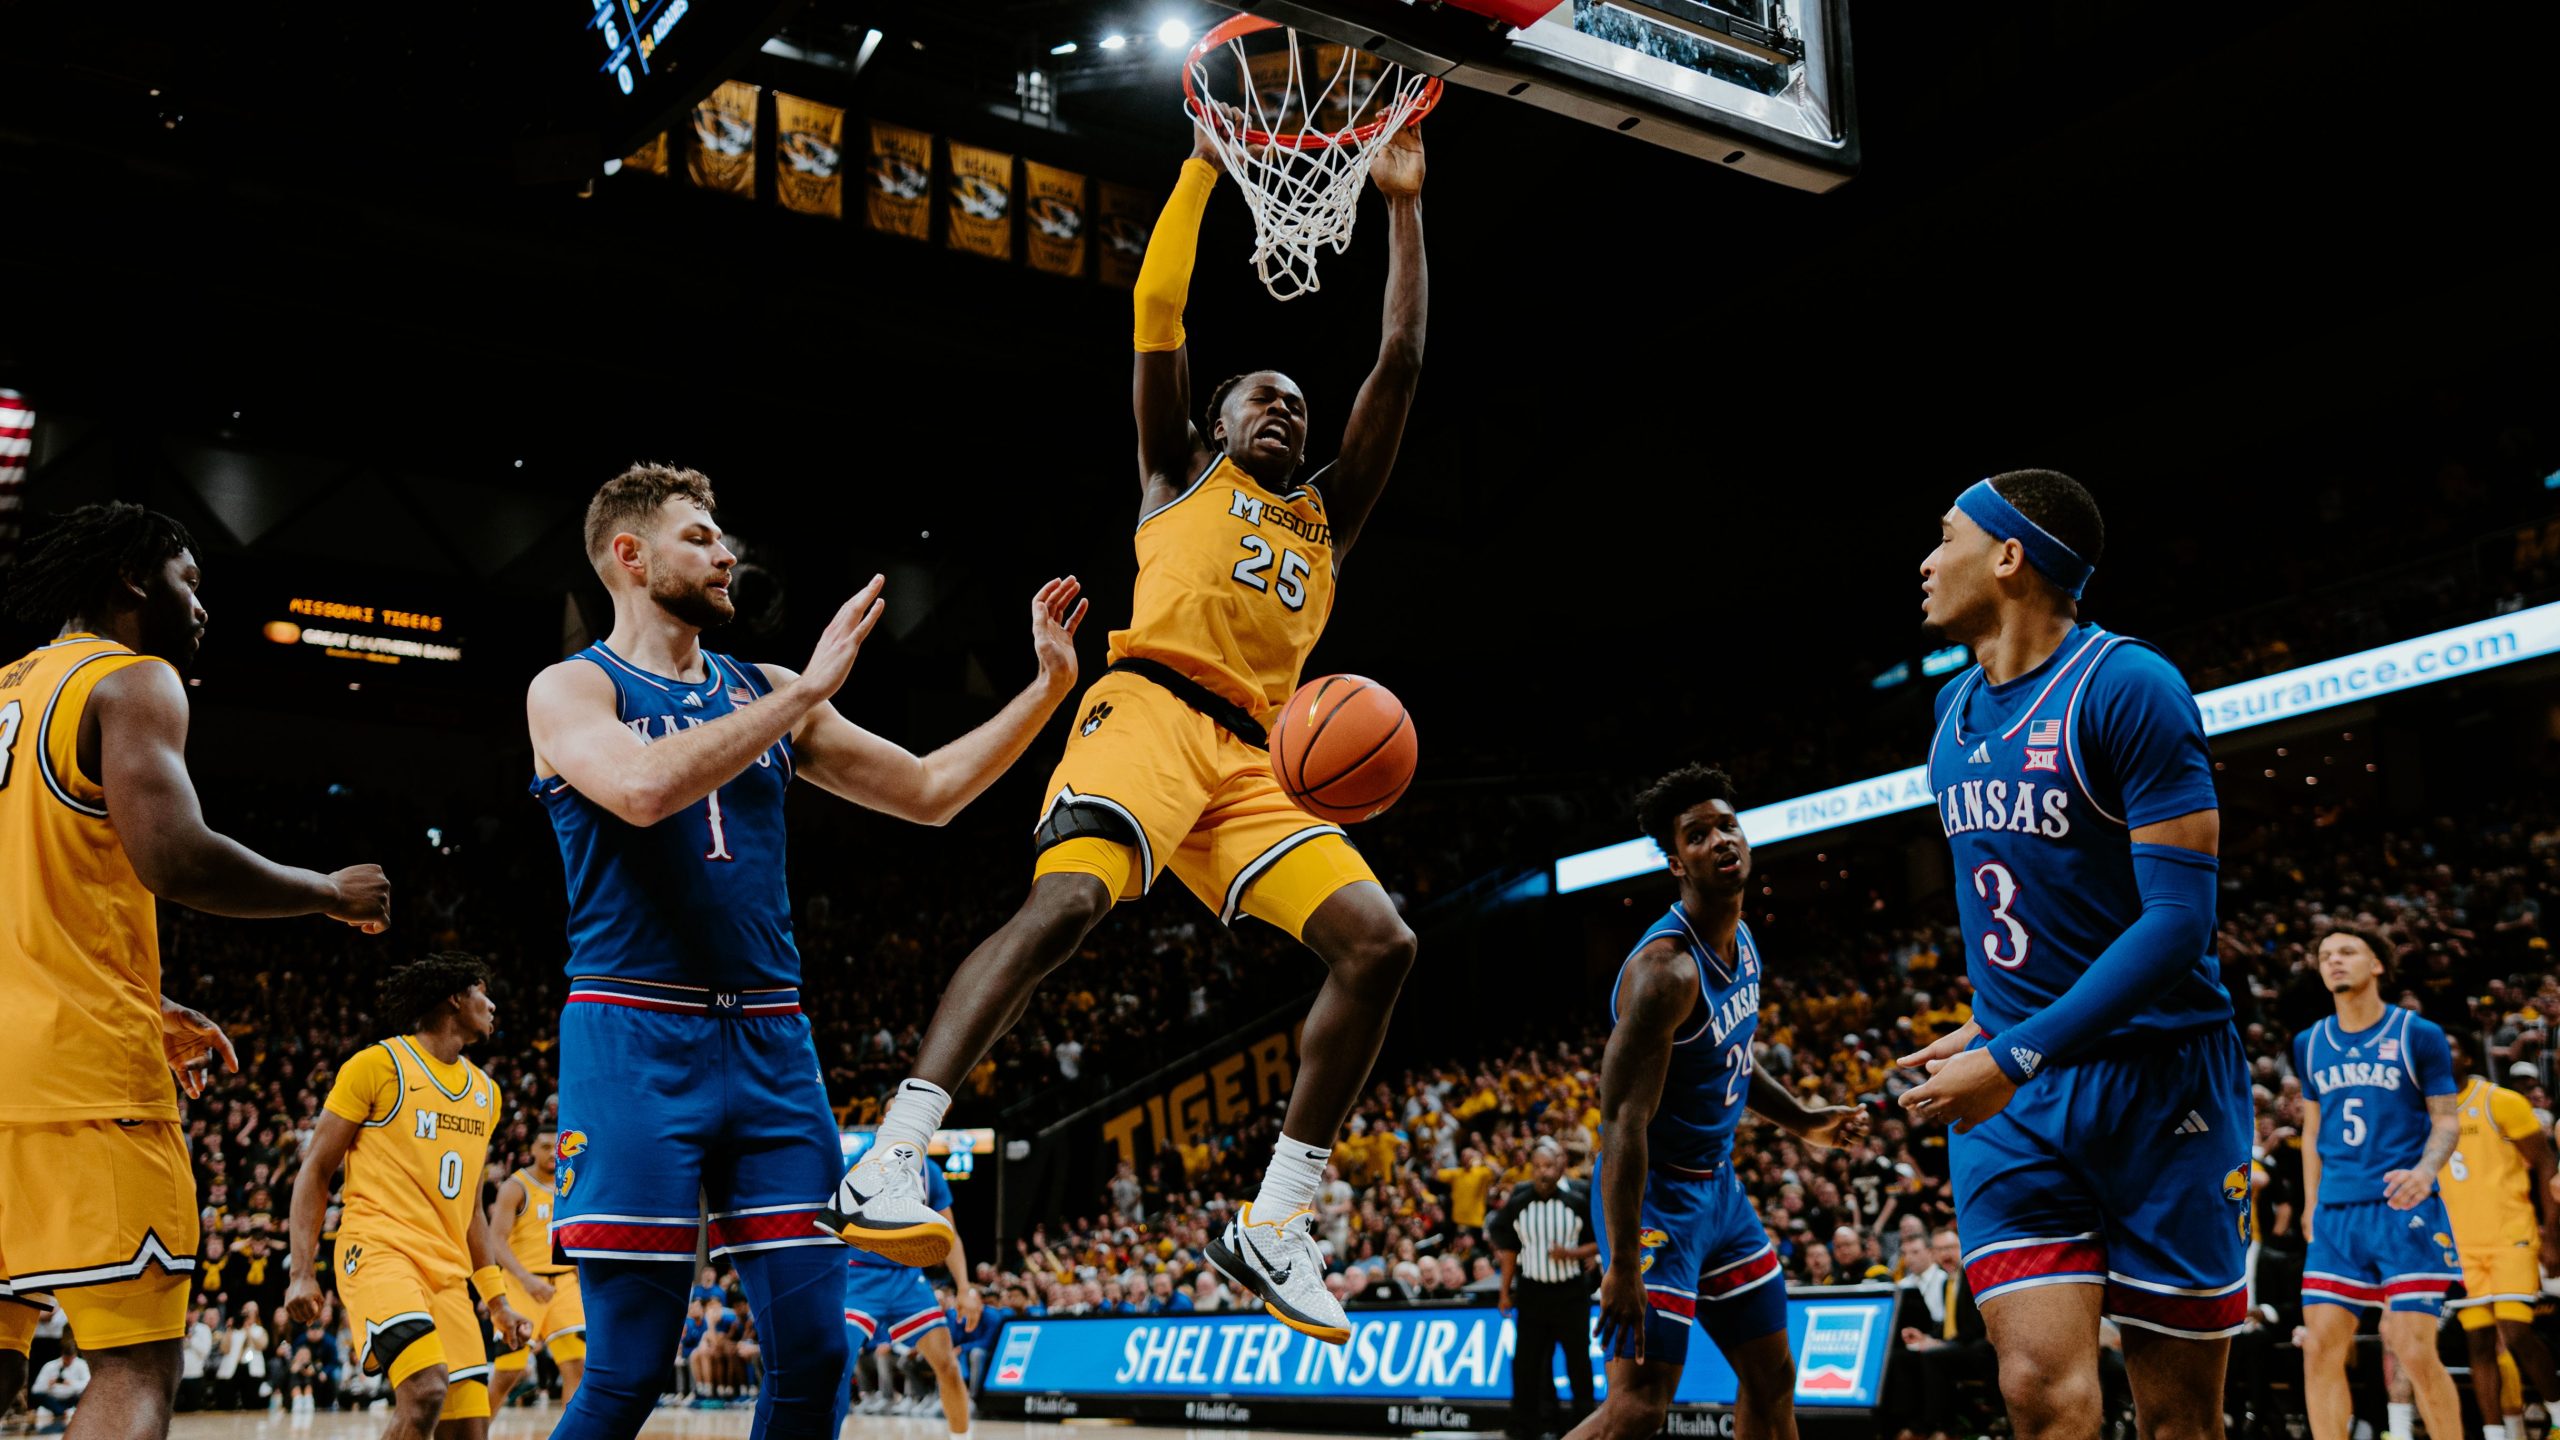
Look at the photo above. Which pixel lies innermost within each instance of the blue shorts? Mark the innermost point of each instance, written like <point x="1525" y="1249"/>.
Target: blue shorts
<point x="2368" y="1254"/>
<point x="671" y="1098"/>
<point x="2127" y="1170"/>
<point x="889" y="1304"/>
<point x="1706" y="1259"/>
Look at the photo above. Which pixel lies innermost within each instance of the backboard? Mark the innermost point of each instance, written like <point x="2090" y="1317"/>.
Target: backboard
<point x="1759" y="86"/>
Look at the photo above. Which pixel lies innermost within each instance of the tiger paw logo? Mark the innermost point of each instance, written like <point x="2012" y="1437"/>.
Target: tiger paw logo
<point x="573" y="1143"/>
<point x="1652" y="1240"/>
<point x="347" y="1262"/>
<point x="1093" y="719"/>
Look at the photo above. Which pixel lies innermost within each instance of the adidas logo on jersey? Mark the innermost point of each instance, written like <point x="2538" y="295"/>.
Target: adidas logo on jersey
<point x="1981" y="754"/>
<point x="2194" y="1125"/>
<point x="2027" y="1060"/>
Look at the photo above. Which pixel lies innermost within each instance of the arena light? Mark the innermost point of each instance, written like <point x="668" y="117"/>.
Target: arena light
<point x="1063" y="47"/>
<point x="1173" y="32"/>
<point x="2366" y="675"/>
<point x="1114" y="42"/>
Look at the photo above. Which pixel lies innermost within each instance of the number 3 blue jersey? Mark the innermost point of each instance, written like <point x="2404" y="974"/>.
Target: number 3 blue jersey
<point x="1709" y="1080"/>
<point x="2372" y="1088"/>
<point x="699" y="898"/>
<point x="2040" y="781"/>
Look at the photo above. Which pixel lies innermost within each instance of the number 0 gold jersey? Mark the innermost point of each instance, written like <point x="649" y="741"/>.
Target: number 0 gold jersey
<point x="413" y="1175"/>
<point x="1234" y="585"/>
<point x="79" y="935"/>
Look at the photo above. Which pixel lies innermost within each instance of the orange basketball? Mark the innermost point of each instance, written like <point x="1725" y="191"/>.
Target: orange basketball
<point x="1344" y="748"/>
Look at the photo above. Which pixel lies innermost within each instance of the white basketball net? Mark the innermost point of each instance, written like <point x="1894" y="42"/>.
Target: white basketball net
<point x="1304" y="189"/>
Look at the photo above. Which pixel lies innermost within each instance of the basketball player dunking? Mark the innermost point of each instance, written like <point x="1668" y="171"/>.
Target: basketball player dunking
<point x="686" y="1068"/>
<point x="98" y="820"/>
<point x="2099" y="1095"/>
<point x="1237" y="558"/>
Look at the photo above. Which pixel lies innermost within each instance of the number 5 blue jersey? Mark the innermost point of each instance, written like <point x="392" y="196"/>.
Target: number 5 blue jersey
<point x="2040" y="781"/>
<point x="699" y="898"/>
<point x="1709" y="1079"/>
<point x="2372" y="1088"/>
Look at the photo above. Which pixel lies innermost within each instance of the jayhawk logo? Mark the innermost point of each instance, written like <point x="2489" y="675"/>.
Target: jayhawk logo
<point x="2235" y="1186"/>
<point x="1652" y="1240"/>
<point x="573" y="1143"/>
<point x="1093" y="719"/>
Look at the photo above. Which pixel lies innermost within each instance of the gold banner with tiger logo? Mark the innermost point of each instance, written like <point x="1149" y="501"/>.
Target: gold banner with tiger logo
<point x="724" y="139"/>
<point x="808" y="170"/>
<point x="981" y="201"/>
<point x="1128" y="216"/>
<point x="650" y="159"/>
<point x="1054" y="201"/>
<point x="898" y="199"/>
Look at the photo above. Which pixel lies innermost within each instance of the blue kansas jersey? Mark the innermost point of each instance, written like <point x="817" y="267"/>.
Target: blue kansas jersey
<point x="2040" y="782"/>
<point x="697" y="899"/>
<point x="1709" y="1081"/>
<point x="2372" y="1088"/>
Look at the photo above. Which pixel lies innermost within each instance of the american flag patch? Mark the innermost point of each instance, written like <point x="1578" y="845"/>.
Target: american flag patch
<point x="738" y="695"/>
<point x="2387" y="1050"/>
<point x="2045" y="732"/>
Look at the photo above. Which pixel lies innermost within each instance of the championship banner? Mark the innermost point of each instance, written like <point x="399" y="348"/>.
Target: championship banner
<point x="901" y="171"/>
<point x="724" y="139"/>
<point x="1057" y="218"/>
<point x="1128" y="217"/>
<point x="808" y="170"/>
<point x="650" y="158"/>
<point x="981" y="201"/>
<point x="17" y="439"/>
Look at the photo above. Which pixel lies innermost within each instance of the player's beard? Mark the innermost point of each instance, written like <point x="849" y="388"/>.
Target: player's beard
<point x="699" y="606"/>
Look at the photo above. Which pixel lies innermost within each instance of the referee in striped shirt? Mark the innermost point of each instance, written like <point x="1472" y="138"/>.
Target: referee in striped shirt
<point x="1543" y="1236"/>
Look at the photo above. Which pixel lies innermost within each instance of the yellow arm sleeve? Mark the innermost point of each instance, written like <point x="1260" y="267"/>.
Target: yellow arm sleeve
<point x="1164" y="280"/>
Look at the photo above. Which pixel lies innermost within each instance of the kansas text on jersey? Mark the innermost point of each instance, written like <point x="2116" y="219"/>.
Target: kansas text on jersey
<point x="2372" y="1087"/>
<point x="699" y="898"/>
<point x="1709" y="1079"/>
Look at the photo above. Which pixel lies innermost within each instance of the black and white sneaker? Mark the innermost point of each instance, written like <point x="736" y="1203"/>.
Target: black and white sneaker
<point x="879" y="1207"/>
<point x="1279" y="1261"/>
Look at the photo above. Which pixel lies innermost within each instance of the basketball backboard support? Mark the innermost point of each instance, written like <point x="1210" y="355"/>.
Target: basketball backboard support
<point x="1759" y="86"/>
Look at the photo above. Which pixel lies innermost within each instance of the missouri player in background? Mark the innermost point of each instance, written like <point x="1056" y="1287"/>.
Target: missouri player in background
<point x="1238" y="551"/>
<point x="542" y="1291"/>
<point x="2497" y="1191"/>
<point x="99" y="821"/>
<point x="411" y="1120"/>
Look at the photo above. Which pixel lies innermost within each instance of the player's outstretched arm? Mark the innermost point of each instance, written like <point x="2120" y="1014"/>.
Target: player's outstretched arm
<point x="579" y="736"/>
<point x="850" y="762"/>
<point x="1825" y="1126"/>
<point x="1660" y="986"/>
<point x="330" y="1141"/>
<point x="1358" y="476"/>
<point x="1160" y="387"/>
<point x="141" y="717"/>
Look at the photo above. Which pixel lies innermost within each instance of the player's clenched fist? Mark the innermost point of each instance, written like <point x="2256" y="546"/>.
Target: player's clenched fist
<point x="363" y="898"/>
<point x="302" y="1299"/>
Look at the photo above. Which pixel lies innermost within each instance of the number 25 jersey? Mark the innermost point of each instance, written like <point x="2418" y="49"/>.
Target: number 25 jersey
<point x="2040" y="781"/>
<point x="1234" y="584"/>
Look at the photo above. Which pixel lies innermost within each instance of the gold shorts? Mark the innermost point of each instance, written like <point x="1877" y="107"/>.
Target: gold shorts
<point x="403" y="1323"/>
<point x="2499" y="1282"/>
<point x="18" y="1326"/>
<point x="101" y="1216"/>
<point x="559" y="1328"/>
<point x="1203" y="802"/>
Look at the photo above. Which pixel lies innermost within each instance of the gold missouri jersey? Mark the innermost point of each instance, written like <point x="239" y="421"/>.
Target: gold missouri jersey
<point x="2487" y="1189"/>
<point x="1234" y="584"/>
<point x="413" y="1175"/>
<point x="79" y="935"/>
<point x="530" y="1236"/>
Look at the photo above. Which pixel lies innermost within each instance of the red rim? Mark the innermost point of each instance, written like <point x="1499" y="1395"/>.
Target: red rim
<point x="1236" y="28"/>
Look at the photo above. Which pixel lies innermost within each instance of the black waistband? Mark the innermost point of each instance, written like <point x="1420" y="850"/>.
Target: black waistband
<point x="1230" y="716"/>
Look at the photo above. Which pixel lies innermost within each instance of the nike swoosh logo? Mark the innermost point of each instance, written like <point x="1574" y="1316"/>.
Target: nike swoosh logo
<point x="1279" y="1273"/>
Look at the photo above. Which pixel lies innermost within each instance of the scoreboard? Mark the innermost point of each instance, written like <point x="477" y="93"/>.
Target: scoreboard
<point x="630" y="33"/>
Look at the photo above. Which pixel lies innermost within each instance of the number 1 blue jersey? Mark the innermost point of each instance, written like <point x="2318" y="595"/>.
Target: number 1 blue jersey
<point x="1709" y="1080"/>
<point x="2040" y="782"/>
<point x="699" y="898"/>
<point x="2372" y="1088"/>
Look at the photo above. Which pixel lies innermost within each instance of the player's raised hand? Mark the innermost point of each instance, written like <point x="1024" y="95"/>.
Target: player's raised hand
<point x="302" y="1299"/>
<point x="364" y="898"/>
<point x="1057" y="612"/>
<point x="2406" y="1189"/>
<point x="1397" y="167"/>
<point x="1620" y="1329"/>
<point x="832" y="661"/>
<point x="1227" y="120"/>
<point x="194" y="1045"/>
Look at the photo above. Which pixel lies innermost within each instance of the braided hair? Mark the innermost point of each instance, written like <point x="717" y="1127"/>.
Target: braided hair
<point x="411" y="992"/>
<point x="85" y="551"/>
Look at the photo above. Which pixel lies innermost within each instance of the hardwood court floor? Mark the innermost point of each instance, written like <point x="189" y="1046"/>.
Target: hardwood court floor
<point x="668" y="1424"/>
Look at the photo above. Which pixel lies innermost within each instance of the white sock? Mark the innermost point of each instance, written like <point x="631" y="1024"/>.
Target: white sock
<point x="2493" y="1432"/>
<point x="2404" y="1421"/>
<point x="915" y="1112"/>
<point x="1289" y="1185"/>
